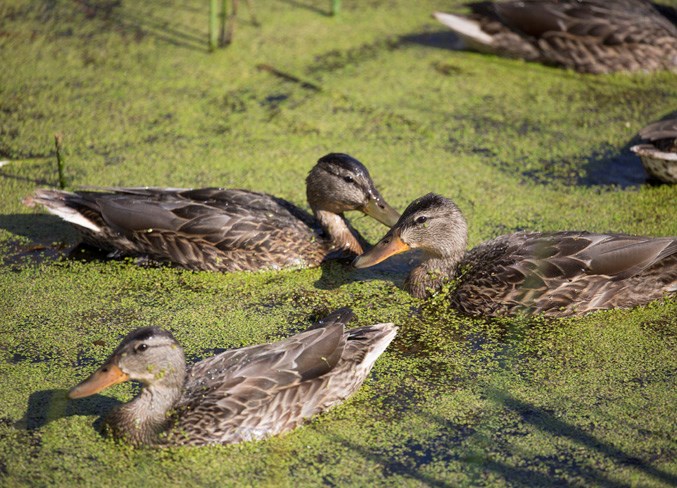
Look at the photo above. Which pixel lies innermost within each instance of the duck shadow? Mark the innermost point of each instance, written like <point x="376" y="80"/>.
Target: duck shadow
<point x="611" y="166"/>
<point x="140" y="20"/>
<point x="442" y="39"/>
<point x="482" y="458"/>
<point x="38" y="228"/>
<point x="48" y="405"/>
<point x="339" y="272"/>
<point x="307" y="6"/>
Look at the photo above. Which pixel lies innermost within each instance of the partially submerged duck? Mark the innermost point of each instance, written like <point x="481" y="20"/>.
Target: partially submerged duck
<point x="241" y="394"/>
<point x="589" y="36"/>
<point x="555" y="274"/>
<point x="215" y="229"/>
<point x="659" y="152"/>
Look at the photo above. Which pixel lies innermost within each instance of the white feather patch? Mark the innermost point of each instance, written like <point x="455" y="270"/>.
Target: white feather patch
<point x="74" y="217"/>
<point x="467" y="29"/>
<point x="373" y="355"/>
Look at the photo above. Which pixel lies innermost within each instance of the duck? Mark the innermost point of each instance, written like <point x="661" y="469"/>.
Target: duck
<point x="588" y="36"/>
<point x="216" y="229"/>
<point x="239" y="395"/>
<point x="555" y="274"/>
<point x="659" y="152"/>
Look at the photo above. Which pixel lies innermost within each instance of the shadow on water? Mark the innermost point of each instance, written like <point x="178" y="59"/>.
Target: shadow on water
<point x="606" y="167"/>
<point x="444" y="39"/>
<point x="460" y="443"/>
<point x="141" y="19"/>
<point x="25" y="179"/>
<point x="612" y="167"/>
<point x="48" y="405"/>
<point x="548" y="423"/>
<point x="340" y="272"/>
<point x="36" y="227"/>
<point x="307" y="6"/>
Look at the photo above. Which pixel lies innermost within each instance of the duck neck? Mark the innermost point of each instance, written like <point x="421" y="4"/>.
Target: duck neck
<point x="438" y="266"/>
<point x="429" y="276"/>
<point x="144" y="418"/>
<point x="342" y="236"/>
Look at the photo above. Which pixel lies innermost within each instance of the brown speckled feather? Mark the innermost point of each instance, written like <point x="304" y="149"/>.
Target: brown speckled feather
<point x="590" y="36"/>
<point x="564" y="273"/>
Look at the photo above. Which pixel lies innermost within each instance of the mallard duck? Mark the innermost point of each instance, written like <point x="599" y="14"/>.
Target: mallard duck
<point x="555" y="274"/>
<point x="227" y="230"/>
<point x="659" y="155"/>
<point x="589" y="36"/>
<point x="241" y="394"/>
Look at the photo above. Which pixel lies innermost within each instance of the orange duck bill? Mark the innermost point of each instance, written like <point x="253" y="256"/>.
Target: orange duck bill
<point x="107" y="375"/>
<point x="386" y="247"/>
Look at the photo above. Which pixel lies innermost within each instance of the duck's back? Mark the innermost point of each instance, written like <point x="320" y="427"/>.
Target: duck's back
<point x="205" y="229"/>
<point x="261" y="391"/>
<point x="565" y="273"/>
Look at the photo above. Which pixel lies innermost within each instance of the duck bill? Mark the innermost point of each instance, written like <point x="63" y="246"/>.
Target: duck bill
<point x="107" y="375"/>
<point x="379" y="209"/>
<point x="386" y="247"/>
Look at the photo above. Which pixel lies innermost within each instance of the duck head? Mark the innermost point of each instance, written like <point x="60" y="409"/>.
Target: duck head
<point x="431" y="223"/>
<point x="149" y="355"/>
<point x="339" y="183"/>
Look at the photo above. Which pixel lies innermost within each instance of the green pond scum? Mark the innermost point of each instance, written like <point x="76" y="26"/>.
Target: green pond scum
<point x="138" y="99"/>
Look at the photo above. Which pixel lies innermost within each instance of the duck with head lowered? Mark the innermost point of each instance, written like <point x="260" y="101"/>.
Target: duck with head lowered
<point x="241" y="394"/>
<point x="589" y="36"/>
<point x="217" y="229"/>
<point x="555" y="274"/>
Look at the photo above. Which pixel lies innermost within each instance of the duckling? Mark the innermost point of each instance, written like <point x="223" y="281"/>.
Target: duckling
<point x="555" y="274"/>
<point x="659" y="153"/>
<point x="589" y="36"/>
<point x="241" y="394"/>
<point x="214" y="229"/>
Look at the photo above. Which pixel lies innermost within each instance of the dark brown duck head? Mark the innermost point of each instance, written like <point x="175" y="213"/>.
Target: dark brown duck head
<point x="151" y="356"/>
<point x="431" y="223"/>
<point x="339" y="183"/>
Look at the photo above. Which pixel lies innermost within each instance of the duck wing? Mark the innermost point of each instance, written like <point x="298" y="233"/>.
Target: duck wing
<point x="663" y="129"/>
<point x="264" y="390"/>
<point x="250" y="393"/>
<point x="565" y="273"/>
<point x="572" y="255"/>
<point x="606" y="22"/>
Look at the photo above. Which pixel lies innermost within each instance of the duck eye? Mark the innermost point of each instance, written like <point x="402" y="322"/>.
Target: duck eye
<point x="348" y="179"/>
<point x="141" y="347"/>
<point x="421" y="219"/>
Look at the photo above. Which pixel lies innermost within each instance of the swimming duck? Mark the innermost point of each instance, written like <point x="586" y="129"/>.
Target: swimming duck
<point x="554" y="274"/>
<point x="589" y="36"/>
<point x="659" y="154"/>
<point x="239" y="395"/>
<point x="227" y="230"/>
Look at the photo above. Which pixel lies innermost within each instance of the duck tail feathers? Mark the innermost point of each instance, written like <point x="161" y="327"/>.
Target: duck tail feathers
<point x="65" y="205"/>
<point x="378" y="336"/>
<point x="469" y="30"/>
